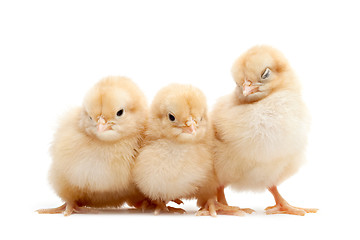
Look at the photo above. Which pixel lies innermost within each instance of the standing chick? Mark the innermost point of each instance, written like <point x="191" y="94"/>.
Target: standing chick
<point x="95" y="146"/>
<point x="261" y="129"/>
<point x="176" y="161"/>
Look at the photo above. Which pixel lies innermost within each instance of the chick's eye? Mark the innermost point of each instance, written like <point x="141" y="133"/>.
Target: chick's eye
<point x="266" y="73"/>
<point x="120" y="112"/>
<point x="90" y="118"/>
<point x="171" y="117"/>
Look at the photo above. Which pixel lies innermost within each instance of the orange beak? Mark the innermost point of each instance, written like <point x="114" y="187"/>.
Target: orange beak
<point x="190" y="127"/>
<point x="249" y="88"/>
<point x="102" y="125"/>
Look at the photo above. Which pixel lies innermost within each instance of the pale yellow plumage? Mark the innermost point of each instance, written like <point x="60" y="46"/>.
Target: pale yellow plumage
<point x="177" y="161"/>
<point x="95" y="146"/>
<point x="261" y="129"/>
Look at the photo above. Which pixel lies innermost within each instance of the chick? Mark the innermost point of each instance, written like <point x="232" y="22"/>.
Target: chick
<point x="95" y="146"/>
<point x="261" y="129"/>
<point x="176" y="161"/>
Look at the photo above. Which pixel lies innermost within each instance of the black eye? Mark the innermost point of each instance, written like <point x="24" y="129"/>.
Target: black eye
<point x="90" y="118"/>
<point x="266" y="73"/>
<point x="171" y="117"/>
<point x="120" y="112"/>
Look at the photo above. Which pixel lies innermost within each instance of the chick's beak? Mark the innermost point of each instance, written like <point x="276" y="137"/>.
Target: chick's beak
<point x="249" y="88"/>
<point x="102" y="124"/>
<point x="190" y="127"/>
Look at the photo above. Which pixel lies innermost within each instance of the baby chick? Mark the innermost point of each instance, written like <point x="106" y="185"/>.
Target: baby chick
<point x="261" y="129"/>
<point x="95" y="146"/>
<point x="176" y="161"/>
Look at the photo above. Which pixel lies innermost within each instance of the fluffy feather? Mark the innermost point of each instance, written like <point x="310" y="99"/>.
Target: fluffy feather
<point x="261" y="129"/>
<point x="176" y="161"/>
<point x="95" y="146"/>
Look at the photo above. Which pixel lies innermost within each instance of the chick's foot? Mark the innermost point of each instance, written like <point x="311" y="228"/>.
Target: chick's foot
<point x="67" y="209"/>
<point x="161" y="207"/>
<point x="288" y="209"/>
<point x="143" y="205"/>
<point x="213" y="207"/>
<point x="283" y="207"/>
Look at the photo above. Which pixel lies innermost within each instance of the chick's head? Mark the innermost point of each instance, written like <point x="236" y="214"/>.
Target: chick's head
<point x="113" y="109"/>
<point x="179" y="112"/>
<point x="260" y="71"/>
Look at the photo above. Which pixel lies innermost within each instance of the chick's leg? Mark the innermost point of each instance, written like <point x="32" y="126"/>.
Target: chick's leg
<point x="213" y="207"/>
<point x="221" y="195"/>
<point x="283" y="207"/>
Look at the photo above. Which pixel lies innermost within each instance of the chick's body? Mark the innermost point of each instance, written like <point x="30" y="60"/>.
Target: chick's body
<point x="95" y="146"/>
<point x="260" y="144"/>
<point x="177" y="161"/>
<point x="167" y="170"/>
<point x="89" y="171"/>
<point x="261" y="129"/>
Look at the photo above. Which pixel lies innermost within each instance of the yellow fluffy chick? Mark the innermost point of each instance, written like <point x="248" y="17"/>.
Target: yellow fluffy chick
<point x="95" y="146"/>
<point x="176" y="161"/>
<point x="261" y="129"/>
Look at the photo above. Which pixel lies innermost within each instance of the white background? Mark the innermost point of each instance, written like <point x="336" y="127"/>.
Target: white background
<point x="52" y="53"/>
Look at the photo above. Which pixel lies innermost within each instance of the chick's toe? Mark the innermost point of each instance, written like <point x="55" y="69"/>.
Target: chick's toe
<point x="213" y="207"/>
